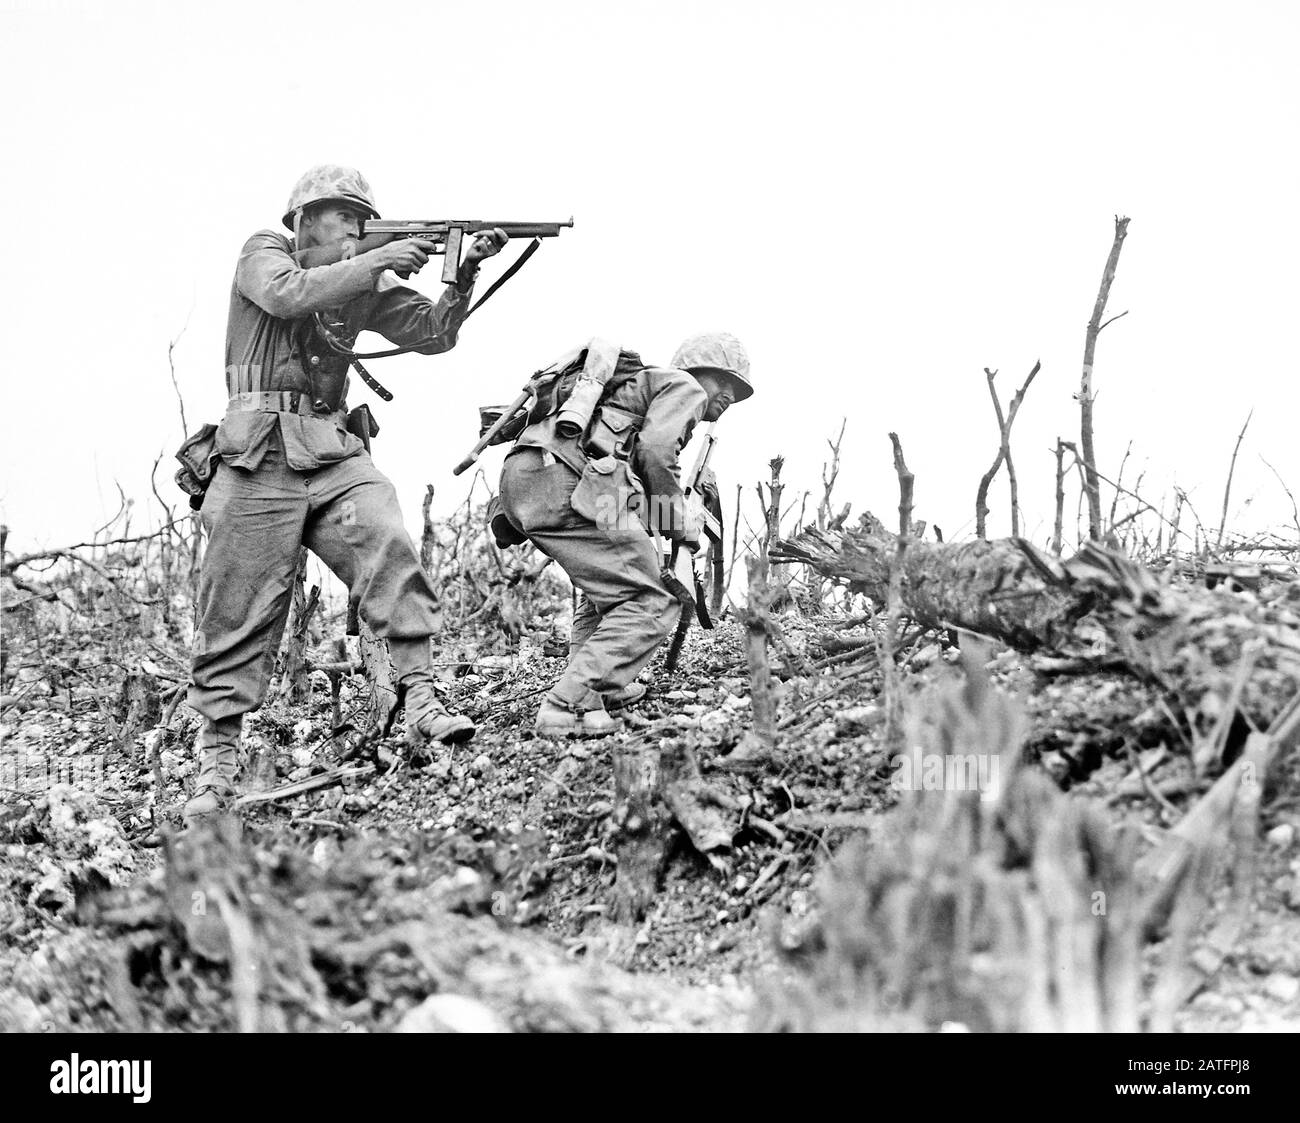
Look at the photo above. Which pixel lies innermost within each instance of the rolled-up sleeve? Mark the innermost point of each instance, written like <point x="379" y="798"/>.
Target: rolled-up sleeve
<point x="404" y="316"/>
<point x="677" y="403"/>
<point x="268" y="276"/>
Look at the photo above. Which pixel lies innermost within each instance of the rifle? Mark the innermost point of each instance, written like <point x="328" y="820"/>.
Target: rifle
<point x="507" y="415"/>
<point x="702" y="508"/>
<point x="447" y="233"/>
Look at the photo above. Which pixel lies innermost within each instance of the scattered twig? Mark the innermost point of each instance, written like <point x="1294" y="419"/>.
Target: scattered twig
<point x="841" y="683"/>
<point x="301" y="787"/>
<point x="1295" y="512"/>
<point x="171" y="366"/>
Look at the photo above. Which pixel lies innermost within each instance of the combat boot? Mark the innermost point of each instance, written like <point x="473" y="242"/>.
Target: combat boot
<point x="427" y="718"/>
<point x="555" y="720"/>
<point x="218" y="748"/>
<point x="629" y="695"/>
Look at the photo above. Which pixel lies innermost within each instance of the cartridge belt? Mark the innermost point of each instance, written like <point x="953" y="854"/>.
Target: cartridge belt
<point x="277" y="401"/>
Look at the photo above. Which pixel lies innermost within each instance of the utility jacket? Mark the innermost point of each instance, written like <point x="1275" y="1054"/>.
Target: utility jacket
<point x="650" y="418"/>
<point x="270" y="294"/>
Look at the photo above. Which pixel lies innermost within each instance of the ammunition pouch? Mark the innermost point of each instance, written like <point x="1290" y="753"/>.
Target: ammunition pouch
<point x="612" y="432"/>
<point x="610" y="495"/>
<point x="198" y="457"/>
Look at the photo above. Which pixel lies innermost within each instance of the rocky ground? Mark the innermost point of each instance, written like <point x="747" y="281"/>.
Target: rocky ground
<point x="473" y="889"/>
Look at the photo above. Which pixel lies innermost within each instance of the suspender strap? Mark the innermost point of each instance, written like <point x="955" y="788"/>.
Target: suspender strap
<point x="371" y="381"/>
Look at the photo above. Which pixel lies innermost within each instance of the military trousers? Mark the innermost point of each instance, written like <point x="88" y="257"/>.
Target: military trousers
<point x="347" y="514"/>
<point x="627" y="611"/>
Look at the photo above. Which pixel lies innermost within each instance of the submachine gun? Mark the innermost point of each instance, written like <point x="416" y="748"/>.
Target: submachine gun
<point x="324" y="343"/>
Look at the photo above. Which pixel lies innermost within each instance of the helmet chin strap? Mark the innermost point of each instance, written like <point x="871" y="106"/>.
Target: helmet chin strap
<point x="297" y="228"/>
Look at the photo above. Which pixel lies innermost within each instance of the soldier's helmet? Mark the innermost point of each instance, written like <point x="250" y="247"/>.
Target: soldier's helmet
<point x="718" y="351"/>
<point x="330" y="182"/>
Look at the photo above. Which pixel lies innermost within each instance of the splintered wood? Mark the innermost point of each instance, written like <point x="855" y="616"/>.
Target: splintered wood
<point x="995" y="903"/>
<point x="295" y="686"/>
<point x="642" y="835"/>
<point x="756" y="633"/>
<point x="1024" y="911"/>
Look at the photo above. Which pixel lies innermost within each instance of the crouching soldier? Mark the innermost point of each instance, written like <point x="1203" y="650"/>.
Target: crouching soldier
<point x="593" y="471"/>
<point x="290" y="473"/>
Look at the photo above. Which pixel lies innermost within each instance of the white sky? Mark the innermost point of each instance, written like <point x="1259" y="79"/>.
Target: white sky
<point x="879" y="199"/>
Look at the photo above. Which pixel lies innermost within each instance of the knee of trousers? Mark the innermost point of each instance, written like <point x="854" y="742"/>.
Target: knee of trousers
<point x="661" y="613"/>
<point x="395" y="596"/>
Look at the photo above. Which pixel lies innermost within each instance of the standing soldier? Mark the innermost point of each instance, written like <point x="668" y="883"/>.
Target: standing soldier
<point x="291" y="475"/>
<point x="587" y="499"/>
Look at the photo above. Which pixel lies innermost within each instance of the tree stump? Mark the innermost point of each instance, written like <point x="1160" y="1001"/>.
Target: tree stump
<point x="139" y="707"/>
<point x="658" y="790"/>
<point x="295" y="682"/>
<point x="378" y="666"/>
<point x="1000" y="906"/>
<point x="641" y="821"/>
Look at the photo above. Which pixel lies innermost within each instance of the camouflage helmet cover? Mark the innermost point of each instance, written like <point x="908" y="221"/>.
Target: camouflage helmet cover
<point x="719" y="351"/>
<point x="330" y="181"/>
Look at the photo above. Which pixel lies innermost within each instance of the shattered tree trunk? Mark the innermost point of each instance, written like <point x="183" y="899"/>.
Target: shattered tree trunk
<point x="1000" y="904"/>
<point x="378" y="666"/>
<point x="1188" y="640"/>
<point x="295" y="684"/>
<point x="658" y="789"/>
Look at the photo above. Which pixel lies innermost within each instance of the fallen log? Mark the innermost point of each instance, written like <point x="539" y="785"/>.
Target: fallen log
<point x="1098" y="606"/>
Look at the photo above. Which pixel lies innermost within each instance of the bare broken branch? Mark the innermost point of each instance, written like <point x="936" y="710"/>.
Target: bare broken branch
<point x="1086" y="397"/>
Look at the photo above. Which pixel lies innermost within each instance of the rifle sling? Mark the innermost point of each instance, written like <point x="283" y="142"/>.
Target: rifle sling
<point x="518" y="264"/>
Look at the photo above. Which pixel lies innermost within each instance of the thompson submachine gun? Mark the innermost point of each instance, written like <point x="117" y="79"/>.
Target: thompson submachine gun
<point x="331" y="349"/>
<point x="447" y="234"/>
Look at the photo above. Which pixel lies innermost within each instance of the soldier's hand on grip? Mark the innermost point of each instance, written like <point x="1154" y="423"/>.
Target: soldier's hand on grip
<point x="406" y="256"/>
